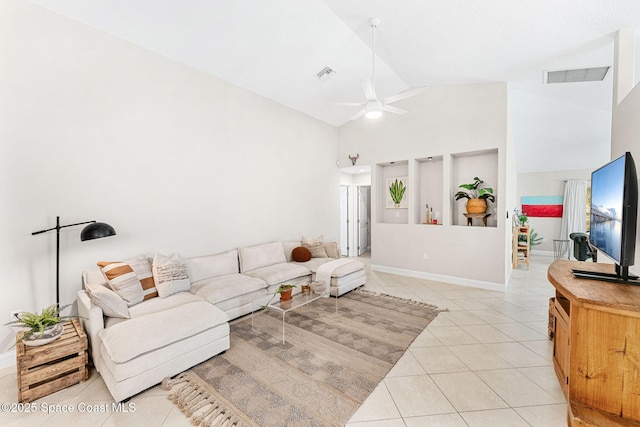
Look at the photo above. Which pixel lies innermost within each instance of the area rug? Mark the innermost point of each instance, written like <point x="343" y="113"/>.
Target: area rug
<point x="328" y="366"/>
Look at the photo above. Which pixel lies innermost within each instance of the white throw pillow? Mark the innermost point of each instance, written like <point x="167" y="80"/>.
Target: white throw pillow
<point x="315" y="246"/>
<point x="110" y="302"/>
<point x="170" y="274"/>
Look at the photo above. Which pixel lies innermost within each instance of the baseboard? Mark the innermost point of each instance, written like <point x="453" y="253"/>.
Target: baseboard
<point x="441" y="278"/>
<point x="8" y="359"/>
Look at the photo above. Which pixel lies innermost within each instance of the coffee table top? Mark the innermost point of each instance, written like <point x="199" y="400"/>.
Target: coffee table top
<point x="296" y="301"/>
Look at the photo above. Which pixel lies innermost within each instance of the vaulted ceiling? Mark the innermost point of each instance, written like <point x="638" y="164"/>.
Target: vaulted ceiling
<point x="275" y="48"/>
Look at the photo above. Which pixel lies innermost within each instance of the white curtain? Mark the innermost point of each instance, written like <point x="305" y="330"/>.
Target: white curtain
<point x="574" y="210"/>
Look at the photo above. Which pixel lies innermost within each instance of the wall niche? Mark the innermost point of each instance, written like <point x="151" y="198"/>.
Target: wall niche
<point x="464" y="168"/>
<point x="388" y="211"/>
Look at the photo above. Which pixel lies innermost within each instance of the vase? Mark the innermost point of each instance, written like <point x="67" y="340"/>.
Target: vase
<point x="50" y="334"/>
<point x="476" y="206"/>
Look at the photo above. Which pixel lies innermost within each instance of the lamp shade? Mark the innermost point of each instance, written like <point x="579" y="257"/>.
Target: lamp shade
<point x="97" y="230"/>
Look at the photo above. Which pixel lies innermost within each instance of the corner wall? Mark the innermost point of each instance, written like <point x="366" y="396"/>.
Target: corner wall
<point x="92" y="127"/>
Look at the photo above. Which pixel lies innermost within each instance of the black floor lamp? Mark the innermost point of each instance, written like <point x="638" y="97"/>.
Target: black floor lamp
<point x="95" y="230"/>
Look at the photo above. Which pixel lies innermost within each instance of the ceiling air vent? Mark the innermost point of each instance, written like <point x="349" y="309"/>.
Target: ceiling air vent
<point x="325" y="73"/>
<point x="581" y="75"/>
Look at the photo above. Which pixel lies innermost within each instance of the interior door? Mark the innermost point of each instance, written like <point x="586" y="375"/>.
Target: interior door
<point x="364" y="237"/>
<point x="344" y="220"/>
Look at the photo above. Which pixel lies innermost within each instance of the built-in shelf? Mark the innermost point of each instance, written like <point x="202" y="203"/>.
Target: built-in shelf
<point x="429" y="181"/>
<point x="464" y="168"/>
<point x="387" y="211"/>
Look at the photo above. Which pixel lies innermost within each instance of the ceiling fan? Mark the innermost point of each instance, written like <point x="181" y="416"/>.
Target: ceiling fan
<point x="374" y="107"/>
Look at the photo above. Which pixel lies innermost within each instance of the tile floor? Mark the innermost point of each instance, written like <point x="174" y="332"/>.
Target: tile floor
<point x="485" y="362"/>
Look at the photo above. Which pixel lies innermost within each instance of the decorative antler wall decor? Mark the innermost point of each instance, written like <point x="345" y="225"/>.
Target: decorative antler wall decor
<point x="353" y="159"/>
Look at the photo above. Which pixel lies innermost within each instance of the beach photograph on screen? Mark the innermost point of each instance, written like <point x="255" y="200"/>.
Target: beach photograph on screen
<point x="607" y="191"/>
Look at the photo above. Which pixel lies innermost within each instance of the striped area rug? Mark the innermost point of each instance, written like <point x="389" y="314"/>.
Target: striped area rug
<point x="328" y="366"/>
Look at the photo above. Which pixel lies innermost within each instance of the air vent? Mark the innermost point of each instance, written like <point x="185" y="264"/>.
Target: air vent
<point x="580" y="75"/>
<point x="325" y="73"/>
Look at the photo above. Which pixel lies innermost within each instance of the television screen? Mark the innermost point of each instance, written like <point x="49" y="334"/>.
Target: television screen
<point x="607" y="196"/>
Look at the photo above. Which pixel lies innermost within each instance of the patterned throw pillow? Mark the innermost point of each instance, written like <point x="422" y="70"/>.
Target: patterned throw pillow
<point x="123" y="281"/>
<point x="315" y="246"/>
<point x="142" y="268"/>
<point x="170" y="274"/>
<point x="301" y="254"/>
<point x="140" y="265"/>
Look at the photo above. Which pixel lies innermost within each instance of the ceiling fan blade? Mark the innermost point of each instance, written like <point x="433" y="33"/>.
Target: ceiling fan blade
<point x="369" y="91"/>
<point x="392" y="109"/>
<point x="405" y="95"/>
<point x="359" y="114"/>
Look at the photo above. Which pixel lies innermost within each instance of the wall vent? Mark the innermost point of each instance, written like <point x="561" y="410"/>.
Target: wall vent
<point x="579" y="75"/>
<point x="325" y="73"/>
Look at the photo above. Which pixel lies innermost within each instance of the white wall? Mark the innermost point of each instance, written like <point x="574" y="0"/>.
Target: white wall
<point x="442" y="122"/>
<point x="92" y="127"/>
<point x="547" y="184"/>
<point x="625" y="136"/>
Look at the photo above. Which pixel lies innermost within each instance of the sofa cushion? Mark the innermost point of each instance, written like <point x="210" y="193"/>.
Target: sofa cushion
<point x="110" y="302"/>
<point x="124" y="281"/>
<point x="289" y="246"/>
<point x="279" y="273"/>
<point x="170" y="274"/>
<point x="215" y="290"/>
<point x="316" y="246"/>
<point x="155" y="305"/>
<point x="204" y="267"/>
<point x="129" y="339"/>
<point x="301" y="254"/>
<point x="253" y="257"/>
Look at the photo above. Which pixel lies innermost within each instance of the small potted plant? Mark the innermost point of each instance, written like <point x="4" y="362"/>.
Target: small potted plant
<point x="477" y="196"/>
<point x="396" y="190"/>
<point x="41" y="328"/>
<point x="284" y="291"/>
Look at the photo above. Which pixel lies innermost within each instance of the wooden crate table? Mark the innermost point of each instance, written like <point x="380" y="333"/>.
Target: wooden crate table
<point x="46" y="369"/>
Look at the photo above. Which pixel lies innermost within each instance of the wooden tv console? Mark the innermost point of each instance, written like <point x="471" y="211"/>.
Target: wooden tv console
<point x="596" y="348"/>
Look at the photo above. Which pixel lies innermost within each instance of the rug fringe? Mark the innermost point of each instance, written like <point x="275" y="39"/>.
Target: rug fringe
<point x="405" y="300"/>
<point x="198" y="404"/>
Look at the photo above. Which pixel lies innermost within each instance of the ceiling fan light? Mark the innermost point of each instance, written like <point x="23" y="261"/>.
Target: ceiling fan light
<point x="373" y="110"/>
<point x="374" y="114"/>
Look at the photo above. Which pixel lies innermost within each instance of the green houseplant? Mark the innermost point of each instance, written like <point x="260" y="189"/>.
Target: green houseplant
<point x="284" y="291"/>
<point x="45" y="326"/>
<point x="476" y="196"/>
<point x="396" y="190"/>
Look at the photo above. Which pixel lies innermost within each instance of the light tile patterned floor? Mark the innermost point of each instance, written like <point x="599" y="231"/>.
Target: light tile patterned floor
<point x="485" y="362"/>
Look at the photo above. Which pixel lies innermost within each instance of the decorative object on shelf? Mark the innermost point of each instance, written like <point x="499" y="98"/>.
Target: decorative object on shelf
<point x="354" y="159"/>
<point x="95" y="230"/>
<point x="476" y="196"/>
<point x="306" y="288"/>
<point x="397" y="188"/>
<point x="40" y="329"/>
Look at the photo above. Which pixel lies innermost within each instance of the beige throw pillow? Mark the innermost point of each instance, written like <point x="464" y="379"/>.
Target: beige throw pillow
<point x="170" y="274"/>
<point x="110" y="302"/>
<point x="315" y="246"/>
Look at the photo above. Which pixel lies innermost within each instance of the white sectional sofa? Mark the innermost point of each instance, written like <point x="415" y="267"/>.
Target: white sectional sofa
<point x="135" y="347"/>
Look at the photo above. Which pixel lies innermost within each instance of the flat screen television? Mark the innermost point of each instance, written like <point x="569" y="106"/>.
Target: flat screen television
<point x="614" y="213"/>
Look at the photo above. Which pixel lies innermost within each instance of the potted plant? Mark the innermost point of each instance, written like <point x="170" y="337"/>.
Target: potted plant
<point x="477" y="196"/>
<point x="396" y="190"/>
<point x="284" y="291"/>
<point x="41" y="328"/>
